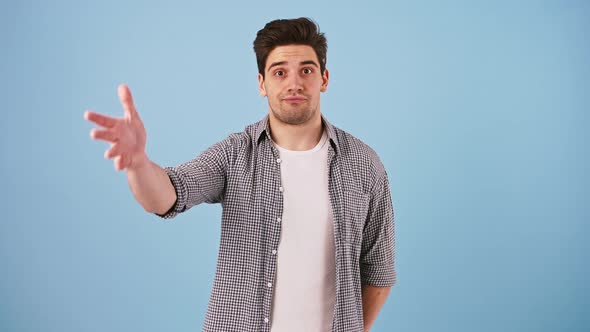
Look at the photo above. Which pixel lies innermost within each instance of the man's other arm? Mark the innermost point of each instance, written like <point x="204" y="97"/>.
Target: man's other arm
<point x="378" y="252"/>
<point x="373" y="300"/>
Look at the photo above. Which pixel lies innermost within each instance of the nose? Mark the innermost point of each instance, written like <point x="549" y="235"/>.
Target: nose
<point x="295" y="83"/>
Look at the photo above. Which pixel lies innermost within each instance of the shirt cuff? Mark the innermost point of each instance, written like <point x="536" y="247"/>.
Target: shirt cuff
<point x="180" y="204"/>
<point x="378" y="276"/>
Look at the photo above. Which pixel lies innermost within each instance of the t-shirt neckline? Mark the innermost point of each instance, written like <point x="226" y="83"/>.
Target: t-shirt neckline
<point x="316" y="148"/>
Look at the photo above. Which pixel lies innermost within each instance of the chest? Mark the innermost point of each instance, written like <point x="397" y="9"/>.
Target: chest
<point x="260" y="185"/>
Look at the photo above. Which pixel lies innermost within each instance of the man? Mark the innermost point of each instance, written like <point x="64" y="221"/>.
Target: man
<point x="307" y="232"/>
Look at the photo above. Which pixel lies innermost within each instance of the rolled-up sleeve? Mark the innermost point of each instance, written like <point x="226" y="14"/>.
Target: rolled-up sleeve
<point x="201" y="180"/>
<point x="378" y="245"/>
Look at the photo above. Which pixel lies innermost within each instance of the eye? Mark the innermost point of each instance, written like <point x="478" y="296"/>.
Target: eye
<point x="307" y="70"/>
<point x="279" y="73"/>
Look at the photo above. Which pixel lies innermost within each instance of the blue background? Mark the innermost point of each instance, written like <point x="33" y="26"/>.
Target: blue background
<point x="478" y="109"/>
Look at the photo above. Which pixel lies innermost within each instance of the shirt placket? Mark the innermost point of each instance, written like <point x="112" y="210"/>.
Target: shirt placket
<point x="336" y="199"/>
<point x="274" y="231"/>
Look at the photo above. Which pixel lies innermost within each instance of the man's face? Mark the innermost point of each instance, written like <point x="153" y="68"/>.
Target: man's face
<point x="293" y="83"/>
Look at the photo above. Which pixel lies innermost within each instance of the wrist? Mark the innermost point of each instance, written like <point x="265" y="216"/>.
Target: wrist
<point x="138" y="162"/>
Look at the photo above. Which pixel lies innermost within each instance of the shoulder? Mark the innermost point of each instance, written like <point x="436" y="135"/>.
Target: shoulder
<point x="240" y="142"/>
<point x="360" y="159"/>
<point x="244" y="138"/>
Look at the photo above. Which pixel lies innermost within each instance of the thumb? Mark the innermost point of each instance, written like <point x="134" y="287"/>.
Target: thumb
<point x="127" y="100"/>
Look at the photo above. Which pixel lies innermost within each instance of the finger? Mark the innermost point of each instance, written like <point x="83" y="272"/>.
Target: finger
<point x="126" y="100"/>
<point x="104" y="135"/>
<point x="118" y="163"/>
<point x="100" y="119"/>
<point x="113" y="151"/>
<point x="125" y="161"/>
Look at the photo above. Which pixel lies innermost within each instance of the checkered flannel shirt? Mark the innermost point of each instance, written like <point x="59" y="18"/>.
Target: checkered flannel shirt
<point x="242" y="172"/>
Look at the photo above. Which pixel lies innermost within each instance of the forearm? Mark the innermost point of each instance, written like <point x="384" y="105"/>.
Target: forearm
<point x="151" y="187"/>
<point x="373" y="300"/>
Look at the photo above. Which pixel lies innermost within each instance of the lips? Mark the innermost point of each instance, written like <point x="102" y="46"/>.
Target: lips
<point x="294" y="99"/>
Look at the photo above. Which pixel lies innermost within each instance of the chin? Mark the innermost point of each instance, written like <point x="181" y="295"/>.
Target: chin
<point x="297" y="117"/>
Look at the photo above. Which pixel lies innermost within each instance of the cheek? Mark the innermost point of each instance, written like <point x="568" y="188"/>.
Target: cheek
<point x="316" y="85"/>
<point x="273" y="91"/>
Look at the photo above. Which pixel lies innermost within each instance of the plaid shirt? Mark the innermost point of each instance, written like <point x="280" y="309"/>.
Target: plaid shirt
<point x="242" y="172"/>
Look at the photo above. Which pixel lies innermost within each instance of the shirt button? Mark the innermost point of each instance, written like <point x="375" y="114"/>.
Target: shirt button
<point x="274" y="252"/>
<point x="279" y="160"/>
<point x="278" y="219"/>
<point x="281" y="189"/>
<point x="269" y="284"/>
<point x="265" y="320"/>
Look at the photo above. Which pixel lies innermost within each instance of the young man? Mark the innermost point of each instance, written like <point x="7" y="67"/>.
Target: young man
<point x="307" y="232"/>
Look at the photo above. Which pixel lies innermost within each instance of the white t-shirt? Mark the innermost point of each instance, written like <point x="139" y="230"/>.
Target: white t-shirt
<point x="305" y="285"/>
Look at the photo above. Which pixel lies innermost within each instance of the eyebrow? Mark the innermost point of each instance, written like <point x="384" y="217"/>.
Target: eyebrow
<point x="280" y="63"/>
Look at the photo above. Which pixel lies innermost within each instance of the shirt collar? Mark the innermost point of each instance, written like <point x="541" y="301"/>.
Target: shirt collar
<point x="262" y="127"/>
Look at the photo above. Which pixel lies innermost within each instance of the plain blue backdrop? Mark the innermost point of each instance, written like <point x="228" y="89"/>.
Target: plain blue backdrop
<point x="478" y="109"/>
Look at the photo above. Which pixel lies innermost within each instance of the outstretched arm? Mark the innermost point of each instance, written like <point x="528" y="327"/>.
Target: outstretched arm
<point x="148" y="182"/>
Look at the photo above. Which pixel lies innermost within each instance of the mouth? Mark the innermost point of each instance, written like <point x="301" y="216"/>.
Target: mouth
<point x="294" y="99"/>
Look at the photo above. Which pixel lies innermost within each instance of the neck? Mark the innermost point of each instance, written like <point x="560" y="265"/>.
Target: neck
<point x="300" y="137"/>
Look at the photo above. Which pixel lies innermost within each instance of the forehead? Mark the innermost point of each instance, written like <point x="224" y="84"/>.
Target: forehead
<point x="291" y="53"/>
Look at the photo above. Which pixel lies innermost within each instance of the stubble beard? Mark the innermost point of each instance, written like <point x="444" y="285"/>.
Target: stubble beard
<point x="294" y="116"/>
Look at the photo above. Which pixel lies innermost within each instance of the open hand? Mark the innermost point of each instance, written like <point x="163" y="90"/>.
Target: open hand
<point x="127" y="134"/>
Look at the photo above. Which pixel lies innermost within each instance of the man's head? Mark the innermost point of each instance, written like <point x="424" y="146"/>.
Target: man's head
<point x="298" y="31"/>
<point x="291" y="56"/>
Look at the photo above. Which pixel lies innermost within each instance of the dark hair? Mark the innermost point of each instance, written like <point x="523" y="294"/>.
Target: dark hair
<point x="298" y="31"/>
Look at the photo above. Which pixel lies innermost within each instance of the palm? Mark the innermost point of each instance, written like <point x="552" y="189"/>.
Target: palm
<point x="127" y="134"/>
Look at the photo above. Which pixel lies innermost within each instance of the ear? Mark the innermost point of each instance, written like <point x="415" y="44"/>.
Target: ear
<point x="325" y="80"/>
<point x="261" y="88"/>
